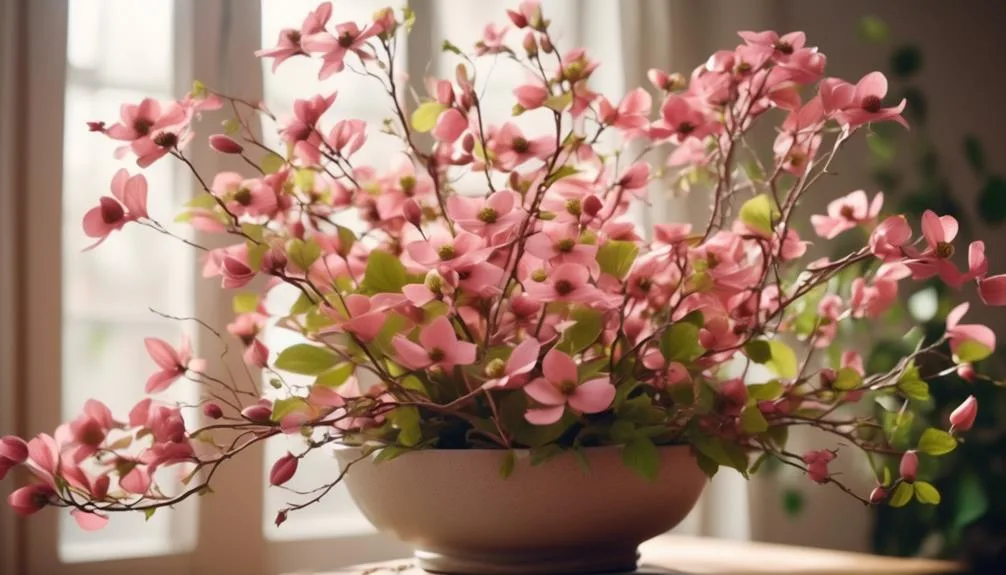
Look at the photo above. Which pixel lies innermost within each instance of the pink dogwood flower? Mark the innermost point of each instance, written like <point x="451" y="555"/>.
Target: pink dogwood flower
<point x="30" y="499"/>
<point x="440" y="347"/>
<point x="783" y="46"/>
<point x="632" y="114"/>
<point x="862" y="103"/>
<point x="173" y="363"/>
<point x="347" y="136"/>
<point x="487" y="217"/>
<point x="531" y="96"/>
<point x="846" y="213"/>
<point x="959" y="333"/>
<point x="364" y="316"/>
<point x="492" y="40"/>
<point x="873" y="300"/>
<point x="567" y="282"/>
<point x="559" y="386"/>
<point x="348" y="38"/>
<point x="13" y="452"/>
<point x="888" y="240"/>
<point x="939" y="233"/>
<point x="681" y="120"/>
<point x="141" y="121"/>
<point x="512" y="148"/>
<point x="559" y="244"/>
<point x="522" y="360"/>
<point x="993" y="289"/>
<point x="128" y="203"/>
<point x="449" y="252"/>
<point x="289" y="42"/>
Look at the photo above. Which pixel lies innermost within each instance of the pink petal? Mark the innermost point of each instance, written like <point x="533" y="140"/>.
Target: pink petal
<point x="422" y="252"/>
<point x="973" y="332"/>
<point x="524" y="357"/>
<point x="593" y="396"/>
<point x="993" y="290"/>
<point x="544" y="392"/>
<point x="872" y="84"/>
<point x="136" y="481"/>
<point x="439" y="334"/>
<point x="545" y="415"/>
<point x="412" y="355"/>
<point x="118" y="187"/>
<point x="576" y="274"/>
<point x="94" y="224"/>
<point x="135" y="197"/>
<point x="162" y="353"/>
<point x="161" y="380"/>
<point x="89" y="521"/>
<point x="876" y="205"/>
<point x="540" y="245"/>
<point x="978" y="263"/>
<point x="502" y="201"/>
<point x="366" y="326"/>
<point x="418" y="294"/>
<point x="949" y="225"/>
<point x="932" y="228"/>
<point x="559" y="367"/>
<point x="637" y="101"/>
<point x="460" y="353"/>
<point x="449" y="127"/>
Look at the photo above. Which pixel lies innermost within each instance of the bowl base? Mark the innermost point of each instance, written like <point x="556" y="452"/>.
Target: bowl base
<point x="592" y="561"/>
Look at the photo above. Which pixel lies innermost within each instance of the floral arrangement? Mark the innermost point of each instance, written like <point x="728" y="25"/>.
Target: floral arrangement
<point x="533" y="315"/>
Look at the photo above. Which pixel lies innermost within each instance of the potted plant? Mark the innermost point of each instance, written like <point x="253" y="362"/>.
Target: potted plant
<point x="518" y="380"/>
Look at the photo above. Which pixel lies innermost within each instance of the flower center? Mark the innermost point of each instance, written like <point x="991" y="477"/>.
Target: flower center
<point x="872" y="104"/>
<point x="521" y="145"/>
<point x="166" y="140"/>
<point x="784" y="48"/>
<point x="487" y="215"/>
<point x="743" y="68"/>
<point x="848" y="213"/>
<point x="567" y="387"/>
<point x="437" y="354"/>
<point x="142" y="126"/>
<point x="685" y="128"/>
<point x="496" y="368"/>
<point x="446" y="252"/>
<point x="644" y="284"/>
<point x="293" y="36"/>
<point x="565" y="245"/>
<point x="574" y="206"/>
<point x="408" y="184"/>
<point x="944" y="250"/>
<point x="346" y="40"/>
<point x="563" y="287"/>
<point x="243" y="196"/>
<point x="111" y="210"/>
<point x="539" y="275"/>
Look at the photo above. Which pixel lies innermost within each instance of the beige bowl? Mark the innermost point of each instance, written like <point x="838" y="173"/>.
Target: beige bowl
<point x="462" y="517"/>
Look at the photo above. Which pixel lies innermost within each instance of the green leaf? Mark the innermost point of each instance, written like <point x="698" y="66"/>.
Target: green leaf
<point x="306" y="359"/>
<point x="783" y="362"/>
<point x="562" y="172"/>
<point x="971" y="502"/>
<point x="272" y="163"/>
<point x="886" y="477"/>
<point x="406" y="420"/>
<point x="912" y="386"/>
<point x="765" y="391"/>
<point x="847" y="379"/>
<point x="232" y="126"/>
<point x="543" y="454"/>
<point x="509" y="462"/>
<point x="408" y="18"/>
<point x="992" y="200"/>
<point x="906" y="61"/>
<point x="927" y="493"/>
<point x="882" y="148"/>
<point x="752" y="421"/>
<point x="447" y="46"/>
<point x="302" y="253"/>
<point x="284" y="407"/>
<point x="336" y="376"/>
<point x="148" y="513"/>
<point x="680" y="343"/>
<point x="616" y="257"/>
<point x="902" y="495"/>
<point x="975" y="153"/>
<point x="560" y="102"/>
<point x="389" y="452"/>
<point x="583" y="333"/>
<point x="245" y="302"/>
<point x="759" y="214"/>
<point x="346" y="239"/>
<point x="792" y="502"/>
<point x="970" y="351"/>
<point x="302" y="305"/>
<point x="424" y="118"/>
<point x="758" y="350"/>
<point x="199" y="93"/>
<point x="642" y="456"/>
<point x="936" y="442"/>
<point x="384" y="273"/>
<point x="873" y="29"/>
<point x="722" y="452"/>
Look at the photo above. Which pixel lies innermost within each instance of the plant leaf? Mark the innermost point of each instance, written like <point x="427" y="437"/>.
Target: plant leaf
<point x="642" y="456"/>
<point x="384" y="273"/>
<point x="902" y="495"/>
<point x="508" y="464"/>
<point x="783" y="362"/>
<point x="424" y="118"/>
<point x="583" y="333"/>
<point x="306" y="359"/>
<point x="759" y="214"/>
<point x="847" y="379"/>
<point x="927" y="493"/>
<point x="616" y="257"/>
<point x="752" y="421"/>
<point x="936" y="442"/>
<point x="680" y="343"/>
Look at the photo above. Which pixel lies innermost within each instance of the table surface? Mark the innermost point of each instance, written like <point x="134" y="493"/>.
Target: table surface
<point x="673" y="554"/>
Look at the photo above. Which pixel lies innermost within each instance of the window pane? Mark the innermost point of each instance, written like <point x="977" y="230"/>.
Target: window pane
<point x="112" y="59"/>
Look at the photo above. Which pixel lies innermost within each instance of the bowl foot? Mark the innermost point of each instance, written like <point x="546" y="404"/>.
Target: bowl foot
<point x="590" y="561"/>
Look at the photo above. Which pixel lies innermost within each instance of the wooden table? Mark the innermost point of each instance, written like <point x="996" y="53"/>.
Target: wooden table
<point x="671" y="554"/>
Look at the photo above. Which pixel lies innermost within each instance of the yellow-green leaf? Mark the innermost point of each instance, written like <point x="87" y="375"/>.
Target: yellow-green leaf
<point x="306" y="359"/>
<point x="272" y="163"/>
<point x="616" y="257"/>
<point x="336" y="376"/>
<point x="424" y="118"/>
<point x="970" y="351"/>
<point x="560" y="102"/>
<point x="752" y="421"/>
<point x="245" y="302"/>
<point x="759" y="214"/>
<point x="680" y="342"/>
<point x="783" y="362"/>
<point x="302" y="253"/>
<point x="583" y="333"/>
<point x="642" y="456"/>
<point x="927" y="493"/>
<point x="847" y="379"/>
<point x="384" y="274"/>
<point x="936" y="442"/>
<point x="902" y="495"/>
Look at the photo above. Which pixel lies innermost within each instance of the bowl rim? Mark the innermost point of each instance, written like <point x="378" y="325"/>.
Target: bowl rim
<point x="336" y="446"/>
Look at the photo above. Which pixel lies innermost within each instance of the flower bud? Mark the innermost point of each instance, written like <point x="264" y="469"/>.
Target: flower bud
<point x="546" y="45"/>
<point x="468" y="142"/>
<point x="963" y="417"/>
<point x="212" y="410"/>
<point x="966" y="372"/>
<point x="909" y="466"/>
<point x="523" y="306"/>
<point x="257" y="413"/>
<point x="530" y="45"/>
<point x="657" y="77"/>
<point x="518" y="19"/>
<point x="878" y="495"/>
<point x="412" y="212"/>
<point x="592" y="205"/>
<point x="225" y="144"/>
<point x="13" y="449"/>
<point x="280" y="518"/>
<point x="274" y="260"/>
<point x="283" y="470"/>
<point x="828" y="377"/>
<point x="256" y="354"/>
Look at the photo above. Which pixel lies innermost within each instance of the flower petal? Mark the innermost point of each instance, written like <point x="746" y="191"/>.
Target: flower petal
<point x="545" y="415"/>
<point x="544" y="392"/>
<point x="162" y="353"/>
<point x="412" y="355"/>
<point x="559" y="367"/>
<point x="593" y="396"/>
<point x="524" y="357"/>
<point x="89" y="521"/>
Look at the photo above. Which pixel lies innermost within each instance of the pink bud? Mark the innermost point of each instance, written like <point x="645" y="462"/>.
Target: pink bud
<point x="963" y="417"/>
<point x="30" y="498"/>
<point x="212" y="410"/>
<point x="658" y="78"/>
<point x="877" y="495"/>
<point x="274" y="260"/>
<point x="828" y="377"/>
<point x="546" y="45"/>
<point x="468" y="142"/>
<point x="592" y="205"/>
<point x="256" y="354"/>
<point x="297" y="230"/>
<point x="734" y="391"/>
<point x="523" y="306"/>
<point x="100" y="487"/>
<point x="225" y="144"/>
<point x="96" y="127"/>
<point x="909" y="466"/>
<point x="257" y="413"/>
<point x="518" y="19"/>
<point x="14" y="449"/>
<point x="966" y="372"/>
<point x="530" y="45"/>
<point x="280" y="518"/>
<point x="412" y="212"/>
<point x="283" y="470"/>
